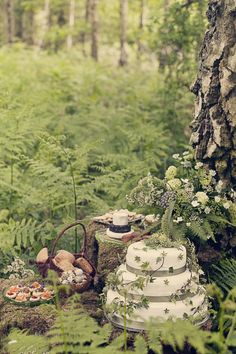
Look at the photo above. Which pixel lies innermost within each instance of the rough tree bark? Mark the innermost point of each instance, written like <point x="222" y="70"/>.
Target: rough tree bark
<point x="141" y="25"/>
<point x="71" y="24"/>
<point x="123" y="27"/>
<point x="29" y="27"/>
<point x="9" y="21"/>
<point x="94" y="29"/>
<point x="87" y="17"/>
<point x="214" y="126"/>
<point x="45" y="22"/>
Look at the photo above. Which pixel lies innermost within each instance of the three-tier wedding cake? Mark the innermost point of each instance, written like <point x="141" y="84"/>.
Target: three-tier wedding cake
<point x="156" y="281"/>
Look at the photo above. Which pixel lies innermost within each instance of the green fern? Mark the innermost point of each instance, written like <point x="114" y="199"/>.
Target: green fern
<point x="197" y="229"/>
<point x="21" y="342"/>
<point x="166" y="221"/>
<point x="224" y="274"/>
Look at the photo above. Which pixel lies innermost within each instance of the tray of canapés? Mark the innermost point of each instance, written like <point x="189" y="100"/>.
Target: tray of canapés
<point x="33" y="295"/>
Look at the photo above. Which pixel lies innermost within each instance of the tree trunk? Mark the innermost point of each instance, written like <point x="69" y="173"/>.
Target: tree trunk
<point x="123" y="27"/>
<point x="71" y="24"/>
<point x="139" y="42"/>
<point x="19" y="26"/>
<point x="87" y="18"/>
<point x="45" y="22"/>
<point x="9" y="21"/>
<point x="214" y="126"/>
<point x="30" y="31"/>
<point x="94" y="30"/>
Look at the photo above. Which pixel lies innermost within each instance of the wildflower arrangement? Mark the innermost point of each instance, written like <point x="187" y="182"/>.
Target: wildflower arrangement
<point x="190" y="199"/>
<point x="17" y="270"/>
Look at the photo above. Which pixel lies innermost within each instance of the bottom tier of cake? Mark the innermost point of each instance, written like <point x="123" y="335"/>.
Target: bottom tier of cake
<point x="194" y="307"/>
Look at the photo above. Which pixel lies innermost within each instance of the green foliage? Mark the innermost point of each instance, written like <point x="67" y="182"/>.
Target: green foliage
<point x="166" y="221"/>
<point x="74" y="140"/>
<point x="224" y="274"/>
<point x="75" y="332"/>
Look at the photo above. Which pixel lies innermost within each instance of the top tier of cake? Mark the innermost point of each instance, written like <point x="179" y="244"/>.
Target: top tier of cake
<point x="120" y="218"/>
<point x="161" y="260"/>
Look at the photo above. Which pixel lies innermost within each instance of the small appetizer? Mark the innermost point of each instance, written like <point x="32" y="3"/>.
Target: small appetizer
<point x="35" y="285"/>
<point x="47" y="295"/>
<point x="21" y="297"/>
<point x="34" y="298"/>
<point x="14" y="288"/>
<point x="10" y="294"/>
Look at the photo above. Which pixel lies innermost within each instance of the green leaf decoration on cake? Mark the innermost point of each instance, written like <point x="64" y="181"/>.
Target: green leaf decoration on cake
<point x="166" y="221"/>
<point x="137" y="259"/>
<point x="145" y="265"/>
<point x="164" y="254"/>
<point x="180" y="257"/>
<point x="166" y="311"/>
<point x="166" y="282"/>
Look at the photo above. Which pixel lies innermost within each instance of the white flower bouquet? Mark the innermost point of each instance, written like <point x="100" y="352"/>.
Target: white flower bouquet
<point x="190" y="200"/>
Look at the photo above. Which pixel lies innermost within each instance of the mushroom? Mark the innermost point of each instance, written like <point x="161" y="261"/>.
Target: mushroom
<point x="42" y="255"/>
<point x="64" y="256"/>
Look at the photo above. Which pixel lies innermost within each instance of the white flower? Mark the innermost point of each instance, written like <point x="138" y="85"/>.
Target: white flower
<point x="198" y="165"/>
<point x="207" y="210"/>
<point x="233" y="193"/>
<point x="178" y="220"/>
<point x="195" y="203"/>
<point x="185" y="153"/>
<point x="202" y="197"/>
<point x="217" y="199"/>
<point x="186" y="164"/>
<point x="226" y="205"/>
<point x="188" y="224"/>
<point x="176" y="156"/>
<point x="219" y="186"/>
<point x="184" y="180"/>
<point x="212" y="173"/>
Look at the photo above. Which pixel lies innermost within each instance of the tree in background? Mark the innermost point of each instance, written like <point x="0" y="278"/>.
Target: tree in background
<point x="141" y="26"/>
<point x="45" y="22"/>
<point x="9" y="18"/>
<point x="87" y="21"/>
<point x="123" y="28"/>
<point x="71" y="24"/>
<point x="94" y="29"/>
<point x="214" y="137"/>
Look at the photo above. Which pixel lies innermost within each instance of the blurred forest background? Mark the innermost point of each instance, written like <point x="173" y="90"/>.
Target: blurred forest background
<point x="94" y="95"/>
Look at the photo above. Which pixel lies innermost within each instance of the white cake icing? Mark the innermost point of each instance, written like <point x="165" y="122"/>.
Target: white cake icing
<point x="163" y="310"/>
<point x="170" y="288"/>
<point x="120" y="218"/>
<point x="138" y="253"/>
<point x="161" y="286"/>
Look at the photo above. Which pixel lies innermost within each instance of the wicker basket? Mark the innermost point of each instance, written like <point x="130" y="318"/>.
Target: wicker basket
<point x="49" y="264"/>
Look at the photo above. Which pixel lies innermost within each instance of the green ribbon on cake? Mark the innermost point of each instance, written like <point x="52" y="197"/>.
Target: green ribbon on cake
<point x="180" y="297"/>
<point x="156" y="273"/>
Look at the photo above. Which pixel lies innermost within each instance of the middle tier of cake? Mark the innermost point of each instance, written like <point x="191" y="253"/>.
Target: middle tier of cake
<point x="159" y="288"/>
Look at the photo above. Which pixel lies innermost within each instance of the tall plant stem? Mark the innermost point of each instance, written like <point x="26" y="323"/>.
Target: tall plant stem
<point x="125" y="324"/>
<point x="74" y="191"/>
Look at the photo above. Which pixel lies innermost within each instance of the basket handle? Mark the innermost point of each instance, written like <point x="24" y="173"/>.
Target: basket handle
<point x="76" y="223"/>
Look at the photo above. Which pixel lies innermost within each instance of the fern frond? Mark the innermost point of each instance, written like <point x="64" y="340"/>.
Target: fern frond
<point x="224" y="274"/>
<point x="197" y="230"/>
<point x="166" y="221"/>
